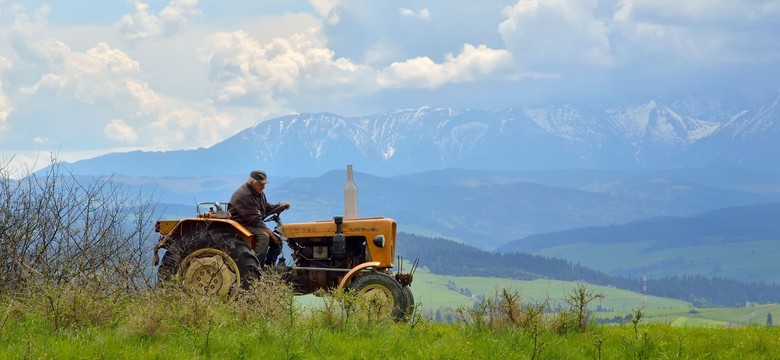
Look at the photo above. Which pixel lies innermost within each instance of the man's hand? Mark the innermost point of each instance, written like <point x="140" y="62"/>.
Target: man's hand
<point x="272" y="236"/>
<point x="285" y="205"/>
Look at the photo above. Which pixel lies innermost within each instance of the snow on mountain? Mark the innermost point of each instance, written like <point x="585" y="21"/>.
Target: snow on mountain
<point x="652" y="123"/>
<point x="654" y="134"/>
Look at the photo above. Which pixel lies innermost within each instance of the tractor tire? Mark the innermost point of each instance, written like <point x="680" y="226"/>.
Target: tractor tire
<point x="167" y="269"/>
<point x="214" y="263"/>
<point x="385" y="288"/>
<point x="409" y="298"/>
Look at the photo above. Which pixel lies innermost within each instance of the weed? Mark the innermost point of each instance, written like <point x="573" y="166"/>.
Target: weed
<point x="636" y="318"/>
<point x="579" y="301"/>
<point x="14" y="311"/>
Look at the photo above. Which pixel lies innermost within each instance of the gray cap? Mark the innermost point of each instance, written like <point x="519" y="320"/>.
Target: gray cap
<point x="259" y="175"/>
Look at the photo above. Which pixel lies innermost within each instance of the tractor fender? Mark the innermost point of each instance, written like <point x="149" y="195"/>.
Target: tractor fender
<point x="166" y="236"/>
<point x="347" y="278"/>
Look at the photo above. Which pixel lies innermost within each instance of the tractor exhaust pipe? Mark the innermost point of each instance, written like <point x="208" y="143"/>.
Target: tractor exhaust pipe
<point x="350" y="196"/>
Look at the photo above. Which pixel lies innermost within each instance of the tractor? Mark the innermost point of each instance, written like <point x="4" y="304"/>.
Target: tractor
<point x="213" y="255"/>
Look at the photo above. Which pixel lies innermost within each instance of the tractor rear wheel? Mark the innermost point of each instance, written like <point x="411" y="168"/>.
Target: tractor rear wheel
<point x="384" y="288"/>
<point x="214" y="263"/>
<point x="409" y="298"/>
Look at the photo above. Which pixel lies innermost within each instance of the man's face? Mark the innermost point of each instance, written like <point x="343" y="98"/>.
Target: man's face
<point x="258" y="186"/>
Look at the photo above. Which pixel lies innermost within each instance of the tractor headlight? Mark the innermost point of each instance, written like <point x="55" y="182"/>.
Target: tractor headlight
<point x="379" y="241"/>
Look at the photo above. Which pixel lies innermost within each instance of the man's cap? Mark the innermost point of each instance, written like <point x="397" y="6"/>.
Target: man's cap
<point x="259" y="175"/>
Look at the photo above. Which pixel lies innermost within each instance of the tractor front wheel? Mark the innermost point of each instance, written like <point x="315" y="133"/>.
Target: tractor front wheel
<point x="381" y="287"/>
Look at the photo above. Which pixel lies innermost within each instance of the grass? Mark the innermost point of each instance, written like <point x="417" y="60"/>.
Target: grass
<point x="269" y="322"/>
<point x="233" y="338"/>
<point x="432" y="292"/>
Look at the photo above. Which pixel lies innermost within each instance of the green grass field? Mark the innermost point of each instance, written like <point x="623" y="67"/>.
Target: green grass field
<point x="431" y="291"/>
<point x="171" y="326"/>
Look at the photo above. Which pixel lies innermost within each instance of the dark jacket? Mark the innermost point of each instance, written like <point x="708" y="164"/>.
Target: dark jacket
<point x="249" y="207"/>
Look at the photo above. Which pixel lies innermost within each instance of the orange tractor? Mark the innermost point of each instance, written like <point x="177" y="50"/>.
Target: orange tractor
<point x="213" y="255"/>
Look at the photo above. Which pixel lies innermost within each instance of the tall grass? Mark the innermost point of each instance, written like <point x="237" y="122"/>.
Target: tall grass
<point x="267" y="322"/>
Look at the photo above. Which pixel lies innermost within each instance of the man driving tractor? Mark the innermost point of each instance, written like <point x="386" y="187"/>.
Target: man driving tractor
<point x="248" y="207"/>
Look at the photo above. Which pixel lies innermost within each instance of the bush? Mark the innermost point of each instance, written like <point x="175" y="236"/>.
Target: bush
<point x="57" y="229"/>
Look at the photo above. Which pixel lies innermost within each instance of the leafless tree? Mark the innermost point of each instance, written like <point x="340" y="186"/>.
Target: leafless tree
<point x="58" y="228"/>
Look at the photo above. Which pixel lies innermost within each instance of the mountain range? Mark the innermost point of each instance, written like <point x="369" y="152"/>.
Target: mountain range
<point x="652" y="135"/>
<point x="562" y="181"/>
<point x="488" y="209"/>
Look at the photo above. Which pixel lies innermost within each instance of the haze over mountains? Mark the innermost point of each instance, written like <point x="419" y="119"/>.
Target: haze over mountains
<point x="652" y="135"/>
<point x="565" y="181"/>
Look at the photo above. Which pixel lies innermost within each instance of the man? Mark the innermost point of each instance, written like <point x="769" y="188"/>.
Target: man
<point x="248" y="206"/>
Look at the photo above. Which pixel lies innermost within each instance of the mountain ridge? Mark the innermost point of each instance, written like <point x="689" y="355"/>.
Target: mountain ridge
<point x="652" y="135"/>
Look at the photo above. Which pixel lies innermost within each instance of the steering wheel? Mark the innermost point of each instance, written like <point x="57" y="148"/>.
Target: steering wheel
<point x="276" y="211"/>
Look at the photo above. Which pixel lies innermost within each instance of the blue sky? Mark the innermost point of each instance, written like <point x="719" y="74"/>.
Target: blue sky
<point x="83" y="78"/>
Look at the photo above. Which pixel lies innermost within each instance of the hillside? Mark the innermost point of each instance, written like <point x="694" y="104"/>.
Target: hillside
<point x="737" y="242"/>
<point x="445" y="257"/>
<point x="489" y="209"/>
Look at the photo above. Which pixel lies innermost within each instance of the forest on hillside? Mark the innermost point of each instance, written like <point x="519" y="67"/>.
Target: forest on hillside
<point x="446" y="257"/>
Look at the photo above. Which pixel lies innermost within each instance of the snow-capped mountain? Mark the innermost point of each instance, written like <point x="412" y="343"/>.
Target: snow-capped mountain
<point x="654" y="134"/>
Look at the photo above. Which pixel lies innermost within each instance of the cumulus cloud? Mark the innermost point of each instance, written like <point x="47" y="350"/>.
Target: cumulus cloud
<point x="92" y="85"/>
<point x="141" y="24"/>
<point x="178" y="13"/>
<point x="244" y="69"/>
<point x="375" y="54"/>
<point x="544" y="35"/>
<point x="285" y="70"/>
<point x="190" y="126"/>
<point x="471" y="64"/>
<point x="118" y="131"/>
<point x="99" y="73"/>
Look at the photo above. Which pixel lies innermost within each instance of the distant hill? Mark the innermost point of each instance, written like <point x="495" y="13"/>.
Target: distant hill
<point x="688" y="133"/>
<point x="489" y="209"/>
<point x="737" y="242"/>
<point x="445" y="257"/>
<point x="730" y="225"/>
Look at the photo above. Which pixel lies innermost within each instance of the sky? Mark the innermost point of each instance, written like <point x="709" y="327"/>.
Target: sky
<point x="88" y="77"/>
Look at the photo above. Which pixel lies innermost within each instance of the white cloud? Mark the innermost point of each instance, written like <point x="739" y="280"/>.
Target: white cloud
<point x="471" y="64"/>
<point x="118" y="131"/>
<point x="242" y="69"/>
<point x="700" y="32"/>
<point x="141" y="24"/>
<point x="5" y="103"/>
<point x="324" y="7"/>
<point x="189" y="127"/>
<point x="99" y="83"/>
<point x="229" y="70"/>
<point x="5" y="110"/>
<point x="544" y="35"/>
<point x="178" y="13"/>
<point x="100" y="73"/>
<point x="422" y="14"/>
